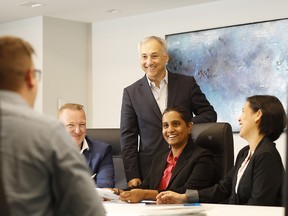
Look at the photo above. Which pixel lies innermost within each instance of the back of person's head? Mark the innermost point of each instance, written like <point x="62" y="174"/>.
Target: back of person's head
<point x="70" y="106"/>
<point x="273" y="120"/>
<point x="15" y="60"/>
<point x="161" y="41"/>
<point x="184" y="114"/>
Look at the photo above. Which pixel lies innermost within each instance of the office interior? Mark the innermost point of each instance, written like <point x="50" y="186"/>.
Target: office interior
<point x="91" y="63"/>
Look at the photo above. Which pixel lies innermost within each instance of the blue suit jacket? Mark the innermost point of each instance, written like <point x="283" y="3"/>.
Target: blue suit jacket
<point x="141" y="116"/>
<point x="99" y="159"/>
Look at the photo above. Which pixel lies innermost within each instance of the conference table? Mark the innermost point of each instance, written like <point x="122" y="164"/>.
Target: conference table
<point x="142" y="209"/>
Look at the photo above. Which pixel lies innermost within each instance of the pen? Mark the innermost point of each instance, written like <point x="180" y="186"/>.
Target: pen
<point x="191" y="204"/>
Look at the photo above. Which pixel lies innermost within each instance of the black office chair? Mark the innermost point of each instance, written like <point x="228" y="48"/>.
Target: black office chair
<point x="217" y="137"/>
<point x="112" y="137"/>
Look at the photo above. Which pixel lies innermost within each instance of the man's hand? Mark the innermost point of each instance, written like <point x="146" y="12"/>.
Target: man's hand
<point x="134" y="182"/>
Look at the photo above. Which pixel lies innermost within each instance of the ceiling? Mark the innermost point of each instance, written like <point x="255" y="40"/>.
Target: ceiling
<point x="86" y="10"/>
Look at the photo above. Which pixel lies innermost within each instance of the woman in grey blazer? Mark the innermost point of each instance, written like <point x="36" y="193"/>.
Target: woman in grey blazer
<point x="257" y="177"/>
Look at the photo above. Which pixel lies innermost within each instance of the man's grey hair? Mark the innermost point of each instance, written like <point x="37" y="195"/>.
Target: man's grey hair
<point x="161" y="41"/>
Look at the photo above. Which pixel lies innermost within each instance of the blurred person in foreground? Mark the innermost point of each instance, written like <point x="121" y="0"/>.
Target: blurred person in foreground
<point x="97" y="153"/>
<point x="257" y="176"/>
<point x="43" y="173"/>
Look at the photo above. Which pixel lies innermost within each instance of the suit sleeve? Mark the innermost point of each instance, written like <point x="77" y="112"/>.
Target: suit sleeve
<point x="71" y="183"/>
<point x="129" y="138"/>
<point x="202" y="109"/>
<point x="105" y="175"/>
<point x="219" y="192"/>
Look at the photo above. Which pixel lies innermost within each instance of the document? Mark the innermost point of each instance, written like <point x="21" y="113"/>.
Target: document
<point x="107" y="194"/>
<point x="173" y="210"/>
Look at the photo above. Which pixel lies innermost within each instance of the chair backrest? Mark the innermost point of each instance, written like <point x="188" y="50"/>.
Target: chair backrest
<point x="112" y="137"/>
<point x="217" y="137"/>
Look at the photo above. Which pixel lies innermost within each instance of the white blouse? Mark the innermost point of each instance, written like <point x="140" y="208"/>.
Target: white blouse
<point x="242" y="169"/>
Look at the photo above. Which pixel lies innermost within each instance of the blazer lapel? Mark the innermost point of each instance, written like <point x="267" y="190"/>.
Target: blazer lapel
<point x="182" y="160"/>
<point x="87" y="153"/>
<point x="149" y="97"/>
<point x="172" y="89"/>
<point x="160" y="169"/>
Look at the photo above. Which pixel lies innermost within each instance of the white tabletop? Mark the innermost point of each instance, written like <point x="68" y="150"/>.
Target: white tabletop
<point x="124" y="209"/>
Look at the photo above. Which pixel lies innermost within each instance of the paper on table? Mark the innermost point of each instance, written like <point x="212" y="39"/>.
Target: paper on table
<point x="107" y="194"/>
<point x="141" y="209"/>
<point x="174" y="210"/>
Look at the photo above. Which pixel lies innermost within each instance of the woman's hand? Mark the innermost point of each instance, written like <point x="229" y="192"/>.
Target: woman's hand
<point x="170" y="197"/>
<point x="132" y="196"/>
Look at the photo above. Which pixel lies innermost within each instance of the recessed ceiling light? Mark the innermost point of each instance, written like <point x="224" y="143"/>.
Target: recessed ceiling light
<point x="30" y="4"/>
<point x="36" y="5"/>
<point x="112" y="11"/>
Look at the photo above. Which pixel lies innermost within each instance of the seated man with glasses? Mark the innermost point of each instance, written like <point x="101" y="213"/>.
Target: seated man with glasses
<point x="98" y="154"/>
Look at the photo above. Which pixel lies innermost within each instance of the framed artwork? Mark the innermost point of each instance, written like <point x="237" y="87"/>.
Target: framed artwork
<point x="234" y="62"/>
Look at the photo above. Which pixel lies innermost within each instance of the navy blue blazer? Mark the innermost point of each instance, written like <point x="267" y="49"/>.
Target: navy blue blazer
<point x="99" y="159"/>
<point x="195" y="168"/>
<point x="141" y="116"/>
<point x="261" y="182"/>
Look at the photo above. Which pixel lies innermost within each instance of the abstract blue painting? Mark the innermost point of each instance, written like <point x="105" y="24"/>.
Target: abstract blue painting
<point x="232" y="63"/>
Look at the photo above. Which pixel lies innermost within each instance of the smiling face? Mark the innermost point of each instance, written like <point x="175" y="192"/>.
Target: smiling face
<point x="175" y="130"/>
<point x="249" y="122"/>
<point x="75" y="123"/>
<point x="153" y="59"/>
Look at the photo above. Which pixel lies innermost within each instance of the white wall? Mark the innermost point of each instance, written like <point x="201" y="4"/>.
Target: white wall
<point x="66" y="55"/>
<point x="31" y="31"/>
<point x="63" y="53"/>
<point x="115" y="62"/>
<point x="64" y="46"/>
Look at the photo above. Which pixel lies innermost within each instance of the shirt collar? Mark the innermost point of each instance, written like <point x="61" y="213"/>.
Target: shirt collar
<point x="84" y="146"/>
<point x="164" y="79"/>
<point x="171" y="159"/>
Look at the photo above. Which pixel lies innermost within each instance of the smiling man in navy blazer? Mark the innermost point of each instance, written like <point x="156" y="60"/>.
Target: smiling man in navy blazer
<point x="144" y="102"/>
<point x="97" y="153"/>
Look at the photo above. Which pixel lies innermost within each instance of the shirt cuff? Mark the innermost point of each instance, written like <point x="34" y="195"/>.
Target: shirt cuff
<point x="192" y="196"/>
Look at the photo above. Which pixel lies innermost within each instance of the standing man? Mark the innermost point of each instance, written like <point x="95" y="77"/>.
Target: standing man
<point x="145" y="100"/>
<point x="98" y="154"/>
<point x="43" y="173"/>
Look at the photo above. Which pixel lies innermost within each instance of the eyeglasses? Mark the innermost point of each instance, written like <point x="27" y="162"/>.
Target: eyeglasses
<point x="37" y="74"/>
